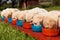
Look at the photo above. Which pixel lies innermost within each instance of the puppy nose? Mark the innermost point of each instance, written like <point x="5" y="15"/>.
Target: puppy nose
<point x="24" y="20"/>
<point x="35" y="23"/>
<point x="31" y="21"/>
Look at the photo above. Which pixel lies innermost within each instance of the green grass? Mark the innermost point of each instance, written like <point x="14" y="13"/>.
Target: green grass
<point x="53" y="8"/>
<point x="8" y="33"/>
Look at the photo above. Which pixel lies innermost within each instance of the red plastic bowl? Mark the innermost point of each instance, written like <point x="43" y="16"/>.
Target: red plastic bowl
<point x="59" y="29"/>
<point x="50" y="32"/>
<point x="14" y="22"/>
<point x="26" y="25"/>
<point x="5" y="19"/>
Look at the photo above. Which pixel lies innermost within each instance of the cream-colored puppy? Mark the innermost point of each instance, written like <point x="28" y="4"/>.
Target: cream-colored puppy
<point x="21" y="15"/>
<point x="50" y="21"/>
<point x="58" y="14"/>
<point x="37" y="19"/>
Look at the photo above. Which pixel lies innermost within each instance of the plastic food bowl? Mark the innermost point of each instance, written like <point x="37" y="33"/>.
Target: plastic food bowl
<point x="13" y="21"/>
<point x="5" y="19"/>
<point x="9" y="20"/>
<point x="36" y="28"/>
<point x="27" y="25"/>
<point x="50" y="32"/>
<point x="59" y="29"/>
<point x="2" y="18"/>
<point x="18" y="22"/>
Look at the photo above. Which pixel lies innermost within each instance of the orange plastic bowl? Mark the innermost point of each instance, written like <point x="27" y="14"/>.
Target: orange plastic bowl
<point x="14" y="22"/>
<point x="26" y="25"/>
<point x="50" y="32"/>
<point x="5" y="19"/>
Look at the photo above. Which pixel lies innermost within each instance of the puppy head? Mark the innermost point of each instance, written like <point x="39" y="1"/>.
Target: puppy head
<point x="37" y="19"/>
<point x="49" y="23"/>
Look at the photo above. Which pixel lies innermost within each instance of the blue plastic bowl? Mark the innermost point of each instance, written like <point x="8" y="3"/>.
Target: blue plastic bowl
<point x="9" y="20"/>
<point x="2" y="18"/>
<point x="36" y="28"/>
<point x="19" y="23"/>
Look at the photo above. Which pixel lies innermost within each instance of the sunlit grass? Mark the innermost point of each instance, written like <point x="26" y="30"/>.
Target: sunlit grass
<point x="53" y="8"/>
<point x="8" y="33"/>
